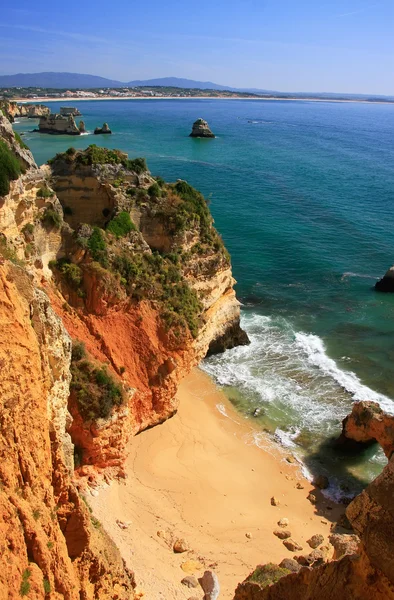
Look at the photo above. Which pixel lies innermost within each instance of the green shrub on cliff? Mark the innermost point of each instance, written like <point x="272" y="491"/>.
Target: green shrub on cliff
<point x="98" y="246"/>
<point x="51" y="218"/>
<point x="121" y="225"/>
<point x="267" y="574"/>
<point x="96" y="390"/>
<point x="10" y="168"/>
<point x="94" y="155"/>
<point x="20" y="141"/>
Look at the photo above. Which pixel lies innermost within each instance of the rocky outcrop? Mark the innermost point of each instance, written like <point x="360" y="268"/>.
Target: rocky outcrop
<point x="70" y="110"/>
<point x="386" y="284"/>
<point x="48" y="541"/>
<point x="366" y="425"/>
<point x="201" y="129"/>
<point x="363" y="566"/>
<point x="81" y="127"/>
<point x="58" y="125"/>
<point x="104" y="129"/>
<point x="31" y="111"/>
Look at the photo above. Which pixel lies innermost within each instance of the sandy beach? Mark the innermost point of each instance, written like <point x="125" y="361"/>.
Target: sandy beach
<point x="200" y="477"/>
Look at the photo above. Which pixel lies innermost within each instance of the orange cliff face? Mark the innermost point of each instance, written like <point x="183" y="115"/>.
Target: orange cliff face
<point x="47" y="539"/>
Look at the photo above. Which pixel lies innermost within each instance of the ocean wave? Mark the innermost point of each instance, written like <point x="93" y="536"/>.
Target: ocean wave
<point x="290" y="376"/>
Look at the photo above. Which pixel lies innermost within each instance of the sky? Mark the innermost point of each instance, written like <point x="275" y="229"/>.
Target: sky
<point x="286" y="45"/>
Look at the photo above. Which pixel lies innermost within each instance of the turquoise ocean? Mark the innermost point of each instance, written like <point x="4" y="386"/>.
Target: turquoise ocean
<point x="303" y="195"/>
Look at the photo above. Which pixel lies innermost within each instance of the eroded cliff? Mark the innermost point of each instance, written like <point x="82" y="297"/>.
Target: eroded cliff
<point x="113" y="285"/>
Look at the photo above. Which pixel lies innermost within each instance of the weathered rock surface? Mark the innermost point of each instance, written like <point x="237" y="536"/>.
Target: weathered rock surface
<point x="58" y="125"/>
<point x="210" y="584"/>
<point x="69" y="110"/>
<point x="180" y="545"/>
<point x="190" y="581"/>
<point x="386" y="284"/>
<point x="201" y="129"/>
<point x="104" y="129"/>
<point x="315" y="541"/>
<point x="366" y="425"/>
<point x="282" y="534"/>
<point x="291" y="545"/>
<point x="363" y="565"/>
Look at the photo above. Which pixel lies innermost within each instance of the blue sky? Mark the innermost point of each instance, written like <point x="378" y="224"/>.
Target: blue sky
<point x="286" y="45"/>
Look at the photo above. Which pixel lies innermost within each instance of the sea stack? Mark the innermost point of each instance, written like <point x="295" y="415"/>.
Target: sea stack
<point x="103" y="129"/>
<point x="58" y="124"/>
<point x="201" y="129"/>
<point x="81" y="127"/>
<point x="386" y="284"/>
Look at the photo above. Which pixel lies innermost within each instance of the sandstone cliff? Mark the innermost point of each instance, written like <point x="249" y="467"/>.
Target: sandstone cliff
<point x="58" y="125"/>
<point x="112" y="286"/>
<point x="32" y="111"/>
<point x="366" y="573"/>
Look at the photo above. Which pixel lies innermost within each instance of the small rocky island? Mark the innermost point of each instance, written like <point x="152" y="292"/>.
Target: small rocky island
<point x="70" y="110"/>
<point x="103" y="129"/>
<point x="201" y="129"/>
<point x="386" y="284"/>
<point x="60" y="124"/>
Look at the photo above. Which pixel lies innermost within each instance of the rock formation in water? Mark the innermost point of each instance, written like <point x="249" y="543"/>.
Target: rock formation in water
<point x="355" y="573"/>
<point x="70" y="110"/>
<point x="81" y="127"/>
<point x="386" y="284"/>
<point x="201" y="129"/>
<point x="32" y="111"/>
<point x="103" y="129"/>
<point x="112" y="287"/>
<point x="58" y="124"/>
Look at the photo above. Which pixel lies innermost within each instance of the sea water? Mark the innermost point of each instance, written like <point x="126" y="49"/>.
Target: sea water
<point x="303" y="195"/>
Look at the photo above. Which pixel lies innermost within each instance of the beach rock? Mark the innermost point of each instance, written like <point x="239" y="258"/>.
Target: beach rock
<point x="201" y="129"/>
<point x="299" y="486"/>
<point x="248" y="535"/>
<point x="386" y="284"/>
<point x="191" y="566"/>
<point x="304" y="561"/>
<point x="321" y="482"/>
<point x="210" y="584"/>
<point x="283" y="522"/>
<point x="290" y="564"/>
<point x="190" y="581"/>
<point x="180" y="546"/>
<point x="193" y="598"/>
<point x="123" y="524"/>
<point x="58" y="124"/>
<point x="366" y="425"/>
<point x="345" y="543"/>
<point x="291" y="545"/>
<point x="104" y="129"/>
<point x="315" y="540"/>
<point x="274" y="501"/>
<point x="282" y="534"/>
<point x="312" y="498"/>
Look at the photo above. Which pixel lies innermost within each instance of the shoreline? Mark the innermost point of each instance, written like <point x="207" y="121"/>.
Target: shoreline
<point x="44" y="100"/>
<point x="200" y="476"/>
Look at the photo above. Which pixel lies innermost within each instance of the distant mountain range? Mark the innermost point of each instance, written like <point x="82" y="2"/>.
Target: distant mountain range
<point x="78" y="80"/>
<point x="73" y="81"/>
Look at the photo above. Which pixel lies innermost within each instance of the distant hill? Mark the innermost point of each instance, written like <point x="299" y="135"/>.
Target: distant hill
<point x="57" y="80"/>
<point x="179" y="83"/>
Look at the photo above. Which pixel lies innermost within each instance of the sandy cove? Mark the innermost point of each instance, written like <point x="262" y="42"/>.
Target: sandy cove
<point x="199" y="476"/>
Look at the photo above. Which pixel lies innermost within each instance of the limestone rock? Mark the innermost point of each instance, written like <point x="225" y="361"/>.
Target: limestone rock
<point x="321" y="481"/>
<point x="386" y="284"/>
<point x="282" y="534"/>
<point x="58" y="125"/>
<point x="69" y="110"/>
<point x="81" y="127"/>
<point x="210" y="584"/>
<point x="180" y="546"/>
<point x="344" y="544"/>
<point x="366" y="425"/>
<point x="283" y="522"/>
<point x="191" y="566"/>
<point x="292" y="545"/>
<point x="201" y="129"/>
<point x="312" y="498"/>
<point x="274" y="501"/>
<point x="190" y="581"/>
<point x="290" y="564"/>
<point x="315" y="541"/>
<point x="299" y="486"/>
<point x="104" y="129"/>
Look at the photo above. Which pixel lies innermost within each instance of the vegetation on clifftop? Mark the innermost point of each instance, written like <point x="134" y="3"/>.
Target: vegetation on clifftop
<point x="267" y="574"/>
<point x="10" y="168"/>
<point x="95" y="155"/>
